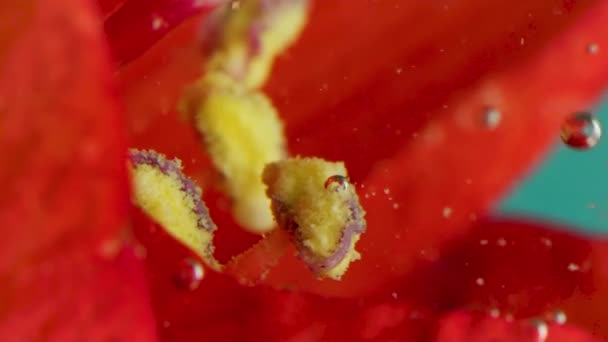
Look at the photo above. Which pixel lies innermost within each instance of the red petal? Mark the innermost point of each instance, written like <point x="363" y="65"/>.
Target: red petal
<point x="64" y="183"/>
<point x="528" y="280"/>
<point x="222" y="310"/>
<point x="516" y="268"/>
<point x="521" y="270"/>
<point x="464" y="327"/>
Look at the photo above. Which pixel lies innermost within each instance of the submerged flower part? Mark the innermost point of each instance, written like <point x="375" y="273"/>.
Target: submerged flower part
<point x="249" y="34"/>
<point x="241" y="127"/>
<point x="242" y="133"/>
<point x="174" y="201"/>
<point x="325" y="223"/>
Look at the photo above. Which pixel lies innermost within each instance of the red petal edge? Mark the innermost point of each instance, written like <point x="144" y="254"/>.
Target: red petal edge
<point x="138" y="24"/>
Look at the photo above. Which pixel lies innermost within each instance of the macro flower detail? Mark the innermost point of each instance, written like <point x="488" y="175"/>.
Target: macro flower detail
<point x="399" y="92"/>
<point x="163" y="192"/>
<point x="325" y="224"/>
<point x="240" y="126"/>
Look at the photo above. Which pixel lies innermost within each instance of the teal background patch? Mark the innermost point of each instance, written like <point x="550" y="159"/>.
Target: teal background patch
<point x="570" y="187"/>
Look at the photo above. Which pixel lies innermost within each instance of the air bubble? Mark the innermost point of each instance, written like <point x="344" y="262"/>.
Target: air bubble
<point x="336" y="182"/>
<point x="189" y="274"/>
<point x="581" y="131"/>
<point x="542" y="330"/>
<point x="158" y="22"/>
<point x="560" y="317"/>
<point x="572" y="267"/>
<point x="593" y="48"/>
<point x="446" y="212"/>
<point x="491" y="117"/>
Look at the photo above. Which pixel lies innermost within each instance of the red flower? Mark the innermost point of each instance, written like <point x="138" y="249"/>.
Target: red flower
<point x="399" y="92"/>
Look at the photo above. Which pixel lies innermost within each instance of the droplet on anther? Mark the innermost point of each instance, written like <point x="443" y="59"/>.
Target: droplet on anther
<point x="581" y="131"/>
<point x="189" y="274"/>
<point x="336" y="182"/>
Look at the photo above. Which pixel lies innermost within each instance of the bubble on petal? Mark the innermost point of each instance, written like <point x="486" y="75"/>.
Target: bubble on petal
<point x="189" y="274"/>
<point x="158" y="22"/>
<point x="542" y="330"/>
<point x="560" y="317"/>
<point x="446" y="212"/>
<point x="572" y="267"/>
<point x="491" y="117"/>
<point x="593" y="48"/>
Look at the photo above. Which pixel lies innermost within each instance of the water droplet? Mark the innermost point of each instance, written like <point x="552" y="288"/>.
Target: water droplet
<point x="483" y="242"/>
<point x="395" y="205"/>
<point x="501" y="242"/>
<point x="495" y="313"/>
<point x="560" y="317"/>
<point x="491" y="117"/>
<point x="110" y="248"/>
<point x="337" y="182"/>
<point x="480" y="281"/>
<point x="581" y="131"/>
<point x="394" y="295"/>
<point x="447" y="212"/>
<point x="189" y="274"/>
<point x="572" y="267"/>
<point x="542" y="330"/>
<point x="158" y="22"/>
<point x="387" y="191"/>
<point x="593" y="48"/>
<point x="235" y="5"/>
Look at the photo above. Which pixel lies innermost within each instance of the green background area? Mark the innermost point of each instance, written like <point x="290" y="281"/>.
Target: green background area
<point x="569" y="187"/>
